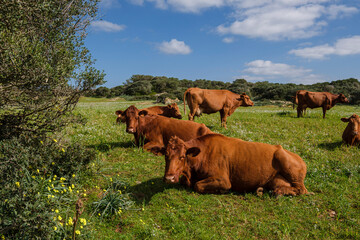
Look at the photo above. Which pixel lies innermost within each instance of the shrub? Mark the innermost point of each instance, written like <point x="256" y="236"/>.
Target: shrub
<point x="38" y="182"/>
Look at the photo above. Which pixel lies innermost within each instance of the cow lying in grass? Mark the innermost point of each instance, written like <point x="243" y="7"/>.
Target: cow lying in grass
<point x="351" y="134"/>
<point x="215" y="164"/>
<point x="171" y="110"/>
<point x="158" y="130"/>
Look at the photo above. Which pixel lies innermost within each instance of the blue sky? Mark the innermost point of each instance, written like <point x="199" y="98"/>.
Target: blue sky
<point x="283" y="41"/>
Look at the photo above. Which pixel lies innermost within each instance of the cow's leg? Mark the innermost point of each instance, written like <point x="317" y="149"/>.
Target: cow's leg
<point x="299" y="111"/>
<point x="213" y="185"/>
<point x="223" y="117"/>
<point x="291" y="174"/>
<point x="192" y="107"/>
<point x="324" y="111"/>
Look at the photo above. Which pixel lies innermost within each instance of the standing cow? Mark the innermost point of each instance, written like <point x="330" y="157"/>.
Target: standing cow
<point x="351" y="134"/>
<point x="212" y="101"/>
<point x="215" y="163"/>
<point x="306" y="99"/>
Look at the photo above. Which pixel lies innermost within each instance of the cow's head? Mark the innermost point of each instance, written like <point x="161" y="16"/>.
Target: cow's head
<point x="130" y="117"/>
<point x="176" y="158"/>
<point x="120" y="117"/>
<point x="342" y="98"/>
<point x="245" y="100"/>
<point x="174" y="110"/>
<point x="353" y="124"/>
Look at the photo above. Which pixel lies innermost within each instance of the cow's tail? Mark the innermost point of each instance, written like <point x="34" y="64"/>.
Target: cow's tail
<point x="295" y="101"/>
<point x="185" y="93"/>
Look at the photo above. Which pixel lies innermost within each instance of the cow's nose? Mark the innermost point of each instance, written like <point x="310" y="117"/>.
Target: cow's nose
<point x="130" y="130"/>
<point x="169" y="179"/>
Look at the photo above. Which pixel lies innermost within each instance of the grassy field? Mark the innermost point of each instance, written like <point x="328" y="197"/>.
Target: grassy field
<point x="163" y="211"/>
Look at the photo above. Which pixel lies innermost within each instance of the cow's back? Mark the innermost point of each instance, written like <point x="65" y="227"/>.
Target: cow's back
<point x="311" y="99"/>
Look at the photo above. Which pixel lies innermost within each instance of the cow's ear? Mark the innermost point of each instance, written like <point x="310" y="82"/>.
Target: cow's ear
<point x="169" y="106"/>
<point x="157" y="150"/>
<point x="345" y="119"/>
<point x="119" y="112"/>
<point x="193" y="152"/>
<point x="143" y="113"/>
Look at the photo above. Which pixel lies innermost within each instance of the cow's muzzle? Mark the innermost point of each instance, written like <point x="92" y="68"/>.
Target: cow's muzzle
<point x="170" y="179"/>
<point x="130" y="130"/>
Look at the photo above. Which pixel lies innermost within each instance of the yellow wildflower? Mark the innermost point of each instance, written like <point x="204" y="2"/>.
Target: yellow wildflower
<point x="60" y="218"/>
<point x="55" y="140"/>
<point x="73" y="175"/>
<point x="70" y="221"/>
<point x="33" y="177"/>
<point x="83" y="221"/>
<point x="17" y="184"/>
<point x="49" y="180"/>
<point x="77" y="232"/>
<point x="84" y="194"/>
<point x="52" y="163"/>
<point x="55" y="228"/>
<point x="41" y="142"/>
<point x="62" y="149"/>
<point x="57" y="211"/>
<point x="72" y="185"/>
<point x="37" y="170"/>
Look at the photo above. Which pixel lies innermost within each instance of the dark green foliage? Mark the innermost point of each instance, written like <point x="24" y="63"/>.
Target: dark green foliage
<point x="45" y="67"/>
<point x="37" y="177"/>
<point x="143" y="85"/>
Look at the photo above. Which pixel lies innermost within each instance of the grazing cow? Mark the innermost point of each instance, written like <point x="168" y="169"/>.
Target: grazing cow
<point x="215" y="163"/>
<point x="305" y="99"/>
<point x="351" y="134"/>
<point x="212" y="101"/>
<point x="158" y="129"/>
<point x="171" y="110"/>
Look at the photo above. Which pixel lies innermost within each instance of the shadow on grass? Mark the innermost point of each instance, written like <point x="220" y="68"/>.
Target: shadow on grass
<point x="143" y="192"/>
<point x="330" y="146"/>
<point x="105" y="147"/>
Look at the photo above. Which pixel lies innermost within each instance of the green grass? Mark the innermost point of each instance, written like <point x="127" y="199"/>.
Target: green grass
<point x="163" y="211"/>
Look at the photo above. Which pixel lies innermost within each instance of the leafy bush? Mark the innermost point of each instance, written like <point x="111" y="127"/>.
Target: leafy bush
<point x="38" y="190"/>
<point x="113" y="200"/>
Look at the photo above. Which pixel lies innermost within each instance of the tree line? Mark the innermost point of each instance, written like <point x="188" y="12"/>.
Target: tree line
<point x="147" y="87"/>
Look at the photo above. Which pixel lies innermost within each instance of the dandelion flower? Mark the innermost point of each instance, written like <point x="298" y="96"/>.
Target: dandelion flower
<point x="17" y="184"/>
<point x="73" y="175"/>
<point x="57" y="211"/>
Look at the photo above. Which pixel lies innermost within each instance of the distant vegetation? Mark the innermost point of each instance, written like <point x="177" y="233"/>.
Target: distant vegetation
<point x="146" y="87"/>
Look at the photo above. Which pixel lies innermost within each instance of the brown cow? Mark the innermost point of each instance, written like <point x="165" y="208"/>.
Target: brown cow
<point x="159" y="129"/>
<point x="215" y="163"/>
<point x="351" y="134"/>
<point x="306" y="99"/>
<point x="212" y="101"/>
<point x="171" y="110"/>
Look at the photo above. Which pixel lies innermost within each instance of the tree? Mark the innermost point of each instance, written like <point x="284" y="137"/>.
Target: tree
<point x="45" y="67"/>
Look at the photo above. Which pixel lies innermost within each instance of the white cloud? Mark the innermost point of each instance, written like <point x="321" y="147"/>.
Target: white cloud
<point x="106" y="26"/>
<point x="270" y="20"/>
<point x="342" y="47"/>
<point x="174" y="47"/>
<point x="228" y="40"/>
<point x="279" y="72"/>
